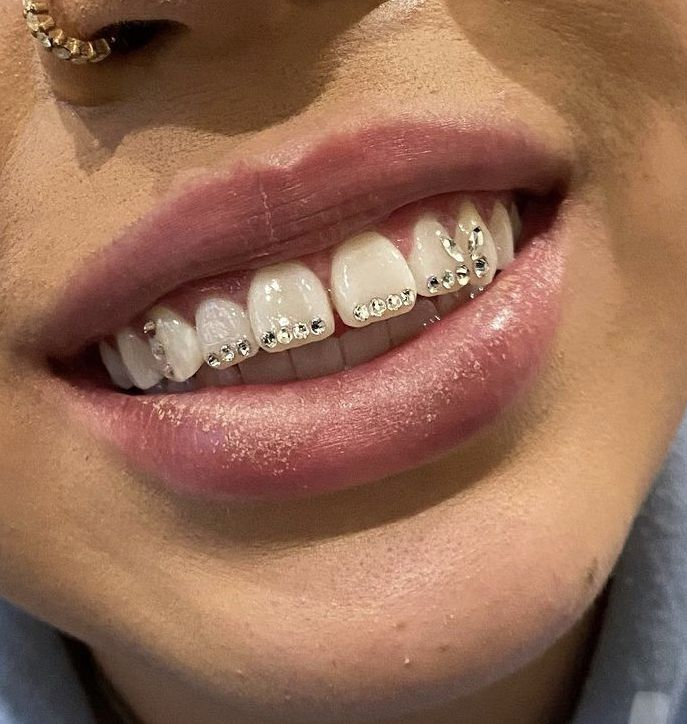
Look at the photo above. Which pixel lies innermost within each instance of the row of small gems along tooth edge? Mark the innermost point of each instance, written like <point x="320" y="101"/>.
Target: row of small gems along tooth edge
<point x="378" y="307"/>
<point x="43" y="27"/>
<point x="287" y="333"/>
<point x="157" y="350"/>
<point x="228" y="352"/>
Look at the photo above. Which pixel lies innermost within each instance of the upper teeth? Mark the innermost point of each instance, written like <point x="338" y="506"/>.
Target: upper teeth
<point x="288" y="306"/>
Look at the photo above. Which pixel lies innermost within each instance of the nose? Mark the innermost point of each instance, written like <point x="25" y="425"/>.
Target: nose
<point x="211" y="22"/>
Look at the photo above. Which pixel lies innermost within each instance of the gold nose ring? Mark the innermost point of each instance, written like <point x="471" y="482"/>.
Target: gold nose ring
<point x="42" y="26"/>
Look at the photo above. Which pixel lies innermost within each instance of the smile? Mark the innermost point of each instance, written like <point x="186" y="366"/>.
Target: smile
<point x="271" y="345"/>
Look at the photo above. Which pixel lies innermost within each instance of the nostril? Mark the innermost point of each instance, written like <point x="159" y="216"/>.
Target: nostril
<point x="130" y="36"/>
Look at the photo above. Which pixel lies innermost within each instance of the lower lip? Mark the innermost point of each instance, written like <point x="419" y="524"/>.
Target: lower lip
<point x="412" y="405"/>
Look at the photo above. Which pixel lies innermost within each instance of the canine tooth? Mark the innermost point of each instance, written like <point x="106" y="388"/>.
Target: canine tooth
<point x="224" y="333"/>
<point x="368" y="274"/>
<point x="174" y="344"/>
<point x="362" y="345"/>
<point x="115" y="366"/>
<point x="265" y="369"/>
<point x="138" y="360"/>
<point x="476" y="237"/>
<point x="501" y="228"/>
<point x="288" y="307"/>
<point x="435" y="260"/>
<point x="317" y="361"/>
<point x="409" y="325"/>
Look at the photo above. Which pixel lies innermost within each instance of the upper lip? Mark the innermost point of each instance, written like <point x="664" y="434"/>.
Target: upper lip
<point x="286" y="202"/>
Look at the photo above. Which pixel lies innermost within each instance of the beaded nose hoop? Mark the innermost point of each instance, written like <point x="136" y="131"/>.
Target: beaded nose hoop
<point x="42" y="26"/>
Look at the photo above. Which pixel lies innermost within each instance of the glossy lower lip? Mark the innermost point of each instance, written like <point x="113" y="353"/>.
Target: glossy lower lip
<point x="274" y="203"/>
<point x="413" y="404"/>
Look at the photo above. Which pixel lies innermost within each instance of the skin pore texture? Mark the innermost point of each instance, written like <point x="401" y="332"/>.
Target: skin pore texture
<point x="452" y="593"/>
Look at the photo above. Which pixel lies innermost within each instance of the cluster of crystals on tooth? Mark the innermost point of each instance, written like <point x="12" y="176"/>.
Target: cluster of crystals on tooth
<point x="378" y="307"/>
<point x="286" y="334"/>
<point x="450" y="278"/>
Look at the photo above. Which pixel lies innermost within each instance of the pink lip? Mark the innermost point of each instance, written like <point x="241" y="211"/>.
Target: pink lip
<point x="413" y="404"/>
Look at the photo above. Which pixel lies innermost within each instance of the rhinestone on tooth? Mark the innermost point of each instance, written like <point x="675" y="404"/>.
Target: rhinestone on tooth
<point x="318" y="326"/>
<point x="361" y="313"/>
<point x="448" y="280"/>
<point x="481" y="266"/>
<point x="408" y="297"/>
<point x="244" y="348"/>
<point x="227" y="353"/>
<point x="475" y="239"/>
<point x="394" y="302"/>
<point x="301" y="331"/>
<point x="269" y="340"/>
<point x="149" y="329"/>
<point x="378" y="307"/>
<point x="285" y="335"/>
<point x="463" y="275"/>
<point x="433" y="284"/>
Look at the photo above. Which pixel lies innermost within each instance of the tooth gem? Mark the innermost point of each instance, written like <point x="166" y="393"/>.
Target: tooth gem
<point x="149" y="329"/>
<point x="318" y="326"/>
<point x="394" y="302"/>
<point x="475" y="239"/>
<point x="301" y="331"/>
<point x="227" y="354"/>
<point x="244" y="348"/>
<point x="213" y="361"/>
<point x="284" y="336"/>
<point x="361" y="313"/>
<point x="433" y="284"/>
<point x="408" y="297"/>
<point x="481" y="266"/>
<point x="377" y="307"/>
<point x="463" y="275"/>
<point x="451" y="249"/>
<point x="269" y="340"/>
<point x="448" y="280"/>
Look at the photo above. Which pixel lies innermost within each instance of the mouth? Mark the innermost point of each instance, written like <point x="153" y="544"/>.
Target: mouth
<point x="323" y="318"/>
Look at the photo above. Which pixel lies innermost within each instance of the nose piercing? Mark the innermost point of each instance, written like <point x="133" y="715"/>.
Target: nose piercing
<point x="42" y="26"/>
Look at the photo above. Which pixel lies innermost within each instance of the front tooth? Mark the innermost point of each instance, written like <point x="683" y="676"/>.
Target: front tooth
<point x="371" y="280"/>
<point x="501" y="228"/>
<point x="174" y="343"/>
<point x="437" y="264"/>
<point x="140" y="364"/>
<point x="115" y="366"/>
<point x="224" y="333"/>
<point x="288" y="307"/>
<point x="473" y="233"/>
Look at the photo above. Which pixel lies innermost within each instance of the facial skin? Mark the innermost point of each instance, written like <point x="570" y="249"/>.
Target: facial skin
<point x="438" y="590"/>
